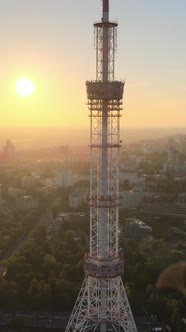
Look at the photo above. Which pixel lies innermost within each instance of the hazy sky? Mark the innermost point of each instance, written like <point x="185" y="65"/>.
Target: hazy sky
<point x="51" y="42"/>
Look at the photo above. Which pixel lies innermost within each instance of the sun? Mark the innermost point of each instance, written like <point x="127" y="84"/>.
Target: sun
<point x="24" y="87"/>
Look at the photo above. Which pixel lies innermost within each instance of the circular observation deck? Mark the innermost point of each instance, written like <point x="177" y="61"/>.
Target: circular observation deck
<point x="107" y="268"/>
<point x="105" y="24"/>
<point x="98" y="90"/>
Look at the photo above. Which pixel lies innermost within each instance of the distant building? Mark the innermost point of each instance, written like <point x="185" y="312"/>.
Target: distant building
<point x="30" y="203"/>
<point x="137" y="229"/>
<point x="26" y="203"/>
<point x="37" y="172"/>
<point x="30" y="181"/>
<point x="81" y="177"/>
<point x="136" y="159"/>
<point x="133" y="179"/>
<point x="130" y="199"/>
<point x="174" y="164"/>
<point x="173" y="155"/>
<point x="15" y="192"/>
<point x="175" y="167"/>
<point x="48" y="182"/>
<point x="9" y="148"/>
<point x="132" y="162"/>
<point x="75" y="200"/>
<point x="63" y="178"/>
<point x="8" y="152"/>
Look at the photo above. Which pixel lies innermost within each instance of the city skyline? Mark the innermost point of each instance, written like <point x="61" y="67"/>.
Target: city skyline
<point x="51" y="45"/>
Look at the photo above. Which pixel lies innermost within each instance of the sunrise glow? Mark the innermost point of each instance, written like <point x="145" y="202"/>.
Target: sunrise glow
<point x="24" y="87"/>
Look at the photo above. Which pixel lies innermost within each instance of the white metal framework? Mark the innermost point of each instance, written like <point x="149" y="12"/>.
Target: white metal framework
<point x="102" y="303"/>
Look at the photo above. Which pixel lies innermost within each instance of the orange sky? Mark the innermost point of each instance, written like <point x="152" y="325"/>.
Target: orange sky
<point x="59" y="57"/>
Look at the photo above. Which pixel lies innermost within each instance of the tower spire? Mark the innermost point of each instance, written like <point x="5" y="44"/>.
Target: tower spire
<point x="105" y="10"/>
<point x="102" y="304"/>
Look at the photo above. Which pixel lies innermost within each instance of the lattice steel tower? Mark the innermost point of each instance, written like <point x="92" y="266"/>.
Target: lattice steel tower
<point x="102" y="303"/>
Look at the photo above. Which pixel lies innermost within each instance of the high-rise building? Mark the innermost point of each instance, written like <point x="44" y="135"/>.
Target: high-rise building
<point x="9" y="151"/>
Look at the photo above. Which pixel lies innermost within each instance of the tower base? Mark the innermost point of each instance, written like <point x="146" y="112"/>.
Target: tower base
<point x="102" y="306"/>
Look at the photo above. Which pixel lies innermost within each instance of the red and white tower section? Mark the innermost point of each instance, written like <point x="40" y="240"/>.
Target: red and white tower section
<point x="102" y="304"/>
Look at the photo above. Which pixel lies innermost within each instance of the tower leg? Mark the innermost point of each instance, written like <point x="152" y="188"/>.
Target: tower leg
<point x="89" y="315"/>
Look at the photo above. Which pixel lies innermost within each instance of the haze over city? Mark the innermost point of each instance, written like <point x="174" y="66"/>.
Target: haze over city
<point x="51" y="43"/>
<point x="49" y="136"/>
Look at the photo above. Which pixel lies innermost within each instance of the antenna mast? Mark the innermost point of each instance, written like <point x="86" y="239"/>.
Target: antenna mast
<point x="102" y="304"/>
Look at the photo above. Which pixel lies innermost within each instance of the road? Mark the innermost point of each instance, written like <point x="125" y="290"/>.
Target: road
<point x="59" y="321"/>
<point x="40" y="320"/>
<point x="45" y="219"/>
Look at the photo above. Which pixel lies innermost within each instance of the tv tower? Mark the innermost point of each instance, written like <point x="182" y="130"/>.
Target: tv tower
<point x="102" y="304"/>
